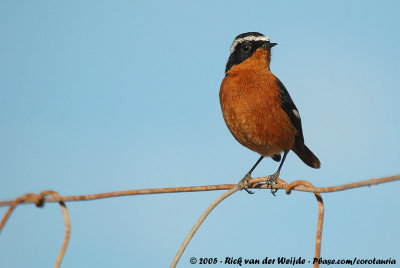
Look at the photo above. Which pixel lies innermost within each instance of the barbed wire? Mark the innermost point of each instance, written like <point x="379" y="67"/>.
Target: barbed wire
<point x="256" y="183"/>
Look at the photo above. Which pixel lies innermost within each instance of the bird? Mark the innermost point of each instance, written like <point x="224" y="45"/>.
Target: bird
<point x="257" y="107"/>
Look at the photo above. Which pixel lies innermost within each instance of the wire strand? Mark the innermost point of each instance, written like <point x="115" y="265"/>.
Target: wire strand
<point x="253" y="184"/>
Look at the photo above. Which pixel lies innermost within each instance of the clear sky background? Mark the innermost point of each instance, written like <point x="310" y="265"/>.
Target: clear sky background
<point x="99" y="96"/>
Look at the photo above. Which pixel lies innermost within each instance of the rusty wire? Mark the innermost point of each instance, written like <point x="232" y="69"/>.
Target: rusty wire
<point x="199" y="222"/>
<point x="288" y="188"/>
<point x="39" y="200"/>
<point x="321" y="210"/>
<point x="256" y="183"/>
<point x="253" y="183"/>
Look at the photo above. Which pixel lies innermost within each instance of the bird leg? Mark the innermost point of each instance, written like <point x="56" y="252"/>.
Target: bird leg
<point x="244" y="182"/>
<point x="272" y="178"/>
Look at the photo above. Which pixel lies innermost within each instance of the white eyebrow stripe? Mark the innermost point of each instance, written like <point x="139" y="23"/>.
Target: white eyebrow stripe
<point x="248" y="38"/>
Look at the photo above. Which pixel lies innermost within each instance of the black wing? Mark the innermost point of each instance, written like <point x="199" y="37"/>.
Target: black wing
<point x="291" y="110"/>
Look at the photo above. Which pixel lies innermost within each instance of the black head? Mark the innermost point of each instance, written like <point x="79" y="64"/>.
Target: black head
<point x="245" y="45"/>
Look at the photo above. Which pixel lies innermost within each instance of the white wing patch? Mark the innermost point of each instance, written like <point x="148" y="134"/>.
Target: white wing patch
<point x="296" y="113"/>
<point x="248" y="38"/>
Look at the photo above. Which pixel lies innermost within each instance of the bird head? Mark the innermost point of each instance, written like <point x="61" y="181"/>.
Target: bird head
<point x="245" y="45"/>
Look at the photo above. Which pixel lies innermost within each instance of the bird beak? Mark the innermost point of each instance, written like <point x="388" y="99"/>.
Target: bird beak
<point x="268" y="45"/>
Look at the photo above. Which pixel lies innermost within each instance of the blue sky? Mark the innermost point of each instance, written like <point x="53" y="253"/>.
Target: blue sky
<point x="98" y="96"/>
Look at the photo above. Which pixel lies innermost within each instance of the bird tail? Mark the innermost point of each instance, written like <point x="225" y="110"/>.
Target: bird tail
<point x="306" y="155"/>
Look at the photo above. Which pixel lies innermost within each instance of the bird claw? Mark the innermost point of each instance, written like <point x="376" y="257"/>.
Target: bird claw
<point x="272" y="179"/>
<point x="243" y="183"/>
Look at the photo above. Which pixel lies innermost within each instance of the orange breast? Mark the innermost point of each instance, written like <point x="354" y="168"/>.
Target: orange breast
<point x="251" y="108"/>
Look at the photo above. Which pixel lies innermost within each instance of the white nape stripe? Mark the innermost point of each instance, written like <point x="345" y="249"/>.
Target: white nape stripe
<point x="248" y="38"/>
<point x="296" y="113"/>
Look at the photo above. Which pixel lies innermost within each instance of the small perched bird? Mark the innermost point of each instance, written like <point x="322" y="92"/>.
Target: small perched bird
<point x="256" y="106"/>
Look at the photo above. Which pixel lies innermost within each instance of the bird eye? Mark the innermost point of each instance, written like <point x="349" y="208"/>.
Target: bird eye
<point x="246" y="47"/>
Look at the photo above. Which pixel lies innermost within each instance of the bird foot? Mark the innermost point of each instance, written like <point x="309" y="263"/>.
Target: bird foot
<point x="272" y="179"/>
<point x="243" y="183"/>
